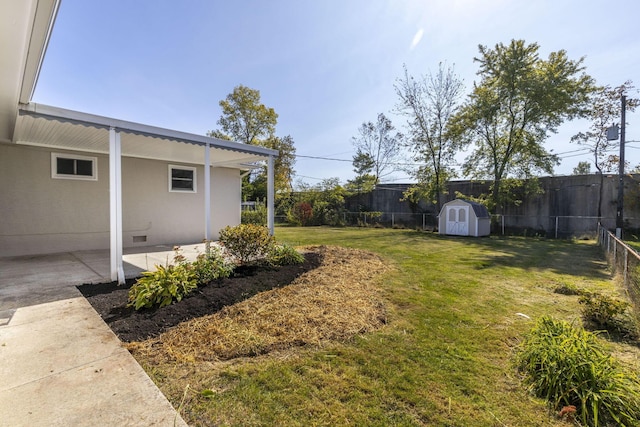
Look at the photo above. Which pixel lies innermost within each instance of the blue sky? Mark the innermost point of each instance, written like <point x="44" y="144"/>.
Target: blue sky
<point x="325" y="66"/>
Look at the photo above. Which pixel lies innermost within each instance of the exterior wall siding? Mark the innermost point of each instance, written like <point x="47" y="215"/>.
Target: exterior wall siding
<point x="39" y="214"/>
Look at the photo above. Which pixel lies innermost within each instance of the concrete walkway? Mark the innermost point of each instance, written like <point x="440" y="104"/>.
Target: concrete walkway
<point x="60" y="364"/>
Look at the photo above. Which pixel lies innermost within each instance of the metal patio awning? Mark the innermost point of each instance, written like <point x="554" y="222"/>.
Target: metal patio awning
<point x="53" y="127"/>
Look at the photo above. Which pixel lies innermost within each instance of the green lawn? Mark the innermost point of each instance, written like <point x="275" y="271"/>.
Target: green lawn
<point x="456" y="309"/>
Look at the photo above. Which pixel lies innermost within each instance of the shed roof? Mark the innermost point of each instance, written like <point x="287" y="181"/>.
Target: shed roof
<point x="479" y="209"/>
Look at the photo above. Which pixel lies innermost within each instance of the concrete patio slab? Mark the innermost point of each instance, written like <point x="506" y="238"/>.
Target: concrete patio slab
<point x="60" y="364"/>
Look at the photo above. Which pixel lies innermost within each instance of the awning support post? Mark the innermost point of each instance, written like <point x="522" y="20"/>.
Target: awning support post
<point x="270" y="195"/>
<point x="207" y="192"/>
<point x="115" y="206"/>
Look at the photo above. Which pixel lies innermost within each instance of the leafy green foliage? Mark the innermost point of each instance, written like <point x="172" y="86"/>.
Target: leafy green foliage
<point x="520" y="99"/>
<point x="285" y="255"/>
<point x="257" y="216"/>
<point x="603" y="310"/>
<point x="246" y="119"/>
<point x="583" y="168"/>
<point x="248" y="243"/>
<point x="176" y="280"/>
<point x="211" y="266"/>
<point x="326" y="200"/>
<point x="429" y="103"/>
<point x="301" y="214"/>
<point x="162" y="286"/>
<point x="571" y="366"/>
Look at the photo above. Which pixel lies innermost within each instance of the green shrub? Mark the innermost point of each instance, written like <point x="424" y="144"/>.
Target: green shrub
<point x="248" y="243"/>
<point x="285" y="255"/>
<point x="568" y="289"/>
<point x="162" y="286"/>
<point x="603" y="310"/>
<point x="257" y="216"/>
<point x="301" y="214"/>
<point x="571" y="366"/>
<point x="211" y="265"/>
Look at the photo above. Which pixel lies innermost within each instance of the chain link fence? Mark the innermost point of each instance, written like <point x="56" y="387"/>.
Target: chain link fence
<point x="623" y="260"/>
<point x="558" y="227"/>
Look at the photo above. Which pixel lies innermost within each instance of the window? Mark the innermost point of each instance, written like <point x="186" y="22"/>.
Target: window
<point x="182" y="179"/>
<point x="71" y="166"/>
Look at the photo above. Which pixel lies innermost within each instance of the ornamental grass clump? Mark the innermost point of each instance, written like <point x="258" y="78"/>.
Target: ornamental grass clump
<point x="570" y="366"/>
<point x="285" y="255"/>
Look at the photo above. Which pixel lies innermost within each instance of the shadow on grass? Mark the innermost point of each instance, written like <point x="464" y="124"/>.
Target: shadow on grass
<point x="110" y="300"/>
<point x="526" y="253"/>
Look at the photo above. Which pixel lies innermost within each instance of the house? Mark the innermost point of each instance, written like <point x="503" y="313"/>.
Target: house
<point x="77" y="181"/>
<point x="464" y="218"/>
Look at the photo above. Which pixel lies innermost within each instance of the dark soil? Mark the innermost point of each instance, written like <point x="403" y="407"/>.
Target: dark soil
<point x="110" y="300"/>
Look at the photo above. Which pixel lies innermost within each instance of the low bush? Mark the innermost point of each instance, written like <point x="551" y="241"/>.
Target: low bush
<point x="211" y="266"/>
<point x="162" y="286"/>
<point x="257" y="216"/>
<point x="175" y="280"/>
<point x="285" y="255"/>
<point x="570" y="366"/>
<point x="248" y="243"/>
<point x="568" y="289"/>
<point x="603" y="310"/>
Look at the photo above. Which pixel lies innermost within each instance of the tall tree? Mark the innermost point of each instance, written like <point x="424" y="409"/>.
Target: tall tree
<point x="282" y="169"/>
<point x="519" y="100"/>
<point x="583" y="168"/>
<point x="429" y="103"/>
<point x="244" y="118"/>
<point x="605" y="109"/>
<point x="377" y="148"/>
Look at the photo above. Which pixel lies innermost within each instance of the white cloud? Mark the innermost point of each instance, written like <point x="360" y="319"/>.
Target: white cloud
<point x="416" y="38"/>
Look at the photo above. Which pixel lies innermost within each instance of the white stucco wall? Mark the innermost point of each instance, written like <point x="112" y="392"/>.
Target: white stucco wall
<point x="39" y="214"/>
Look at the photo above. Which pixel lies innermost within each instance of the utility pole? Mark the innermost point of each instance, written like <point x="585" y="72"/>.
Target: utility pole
<point x="619" y="213"/>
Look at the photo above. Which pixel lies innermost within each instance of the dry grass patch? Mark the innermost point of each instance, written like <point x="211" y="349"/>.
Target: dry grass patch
<point x="335" y="301"/>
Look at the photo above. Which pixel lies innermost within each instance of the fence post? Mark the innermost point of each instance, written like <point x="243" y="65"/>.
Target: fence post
<point x="393" y="220"/>
<point x="626" y="263"/>
<point x="423" y="222"/>
<point x="557" y="227"/>
<point x="502" y="218"/>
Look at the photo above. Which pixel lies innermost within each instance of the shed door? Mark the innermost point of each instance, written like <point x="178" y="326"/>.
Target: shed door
<point x="458" y="220"/>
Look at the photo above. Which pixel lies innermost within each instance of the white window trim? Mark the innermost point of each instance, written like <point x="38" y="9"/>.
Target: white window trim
<point x="56" y="175"/>
<point x="195" y="179"/>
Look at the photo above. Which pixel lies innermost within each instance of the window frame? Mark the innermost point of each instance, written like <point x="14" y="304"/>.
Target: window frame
<point x="194" y="180"/>
<point x="56" y="175"/>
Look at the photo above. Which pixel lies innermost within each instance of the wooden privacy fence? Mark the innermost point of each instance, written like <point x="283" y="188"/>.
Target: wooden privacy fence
<point x="623" y="261"/>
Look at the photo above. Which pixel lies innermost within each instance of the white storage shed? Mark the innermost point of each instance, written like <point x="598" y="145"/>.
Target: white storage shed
<point x="464" y="218"/>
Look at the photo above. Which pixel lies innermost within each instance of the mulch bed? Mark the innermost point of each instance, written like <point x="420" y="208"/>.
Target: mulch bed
<point x="110" y="299"/>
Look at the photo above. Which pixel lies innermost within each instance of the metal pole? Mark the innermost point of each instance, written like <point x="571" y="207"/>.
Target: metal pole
<point x="556" y="227"/>
<point x="270" y="195"/>
<point x="619" y="213"/>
